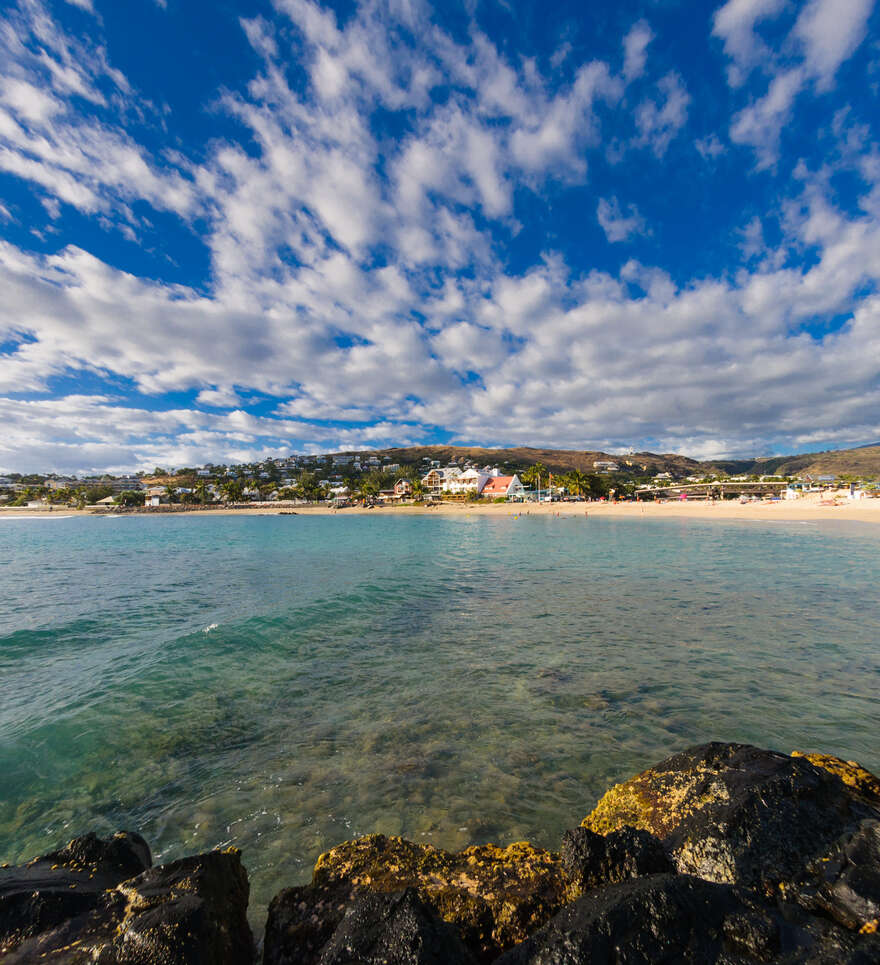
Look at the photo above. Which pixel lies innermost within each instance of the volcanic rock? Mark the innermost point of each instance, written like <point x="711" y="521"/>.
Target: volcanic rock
<point x="735" y="813"/>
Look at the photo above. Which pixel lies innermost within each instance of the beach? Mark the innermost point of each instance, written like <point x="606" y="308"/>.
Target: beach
<point x="810" y="508"/>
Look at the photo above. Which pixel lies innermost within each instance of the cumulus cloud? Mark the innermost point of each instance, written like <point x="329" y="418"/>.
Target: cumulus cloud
<point x="361" y="282"/>
<point x="618" y="224"/>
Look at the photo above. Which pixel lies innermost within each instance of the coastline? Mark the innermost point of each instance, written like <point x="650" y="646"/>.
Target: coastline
<point x="806" y="509"/>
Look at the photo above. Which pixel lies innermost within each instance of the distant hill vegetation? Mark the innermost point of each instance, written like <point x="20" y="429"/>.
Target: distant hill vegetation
<point x="863" y="461"/>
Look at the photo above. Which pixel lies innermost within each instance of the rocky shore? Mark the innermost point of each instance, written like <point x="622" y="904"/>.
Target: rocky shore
<point x="723" y="853"/>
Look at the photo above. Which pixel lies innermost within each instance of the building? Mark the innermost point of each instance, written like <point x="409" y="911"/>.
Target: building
<point x="403" y="488"/>
<point x="503" y="487"/>
<point x="606" y="465"/>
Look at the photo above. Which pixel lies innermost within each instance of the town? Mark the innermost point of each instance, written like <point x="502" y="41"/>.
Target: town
<point x="372" y="478"/>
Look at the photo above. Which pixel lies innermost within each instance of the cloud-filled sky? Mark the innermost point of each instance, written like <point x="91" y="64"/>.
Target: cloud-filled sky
<point x="232" y="230"/>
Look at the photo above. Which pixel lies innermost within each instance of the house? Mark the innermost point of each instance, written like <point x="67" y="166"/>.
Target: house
<point x="155" y="495"/>
<point x="403" y="488"/>
<point x="503" y="487"/>
<point x="606" y="465"/>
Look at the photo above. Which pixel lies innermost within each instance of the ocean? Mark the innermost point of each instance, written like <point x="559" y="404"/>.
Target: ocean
<point x="284" y="683"/>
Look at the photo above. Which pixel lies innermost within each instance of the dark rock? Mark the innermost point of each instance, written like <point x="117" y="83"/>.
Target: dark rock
<point x="393" y="929"/>
<point x="735" y="813"/>
<point x="82" y="904"/>
<point x="493" y="896"/>
<point x="688" y="921"/>
<point x="592" y="860"/>
<point x="844" y="883"/>
<point x="193" y="910"/>
<point x="66" y="883"/>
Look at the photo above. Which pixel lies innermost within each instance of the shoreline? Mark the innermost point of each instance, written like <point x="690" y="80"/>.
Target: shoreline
<point x="807" y="509"/>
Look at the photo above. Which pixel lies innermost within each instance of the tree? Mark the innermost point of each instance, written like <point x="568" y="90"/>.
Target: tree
<point x="232" y="490"/>
<point x="577" y="482"/>
<point x="418" y="491"/>
<point x="534" y="474"/>
<point x="131" y="498"/>
<point x="171" y="493"/>
<point x="202" y="492"/>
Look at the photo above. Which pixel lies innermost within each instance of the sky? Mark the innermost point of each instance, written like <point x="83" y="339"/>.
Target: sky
<point x="231" y="230"/>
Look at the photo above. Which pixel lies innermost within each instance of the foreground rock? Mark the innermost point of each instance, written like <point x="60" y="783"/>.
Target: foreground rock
<point x="494" y="897"/>
<point x="100" y="901"/>
<point x="722" y="854"/>
<point x="737" y="814"/>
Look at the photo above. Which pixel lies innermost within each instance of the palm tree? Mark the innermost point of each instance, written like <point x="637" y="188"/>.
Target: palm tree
<point x="534" y="474"/>
<point x="577" y="482"/>
<point x="202" y="491"/>
<point x="232" y="490"/>
<point x="171" y="492"/>
<point x="418" y="490"/>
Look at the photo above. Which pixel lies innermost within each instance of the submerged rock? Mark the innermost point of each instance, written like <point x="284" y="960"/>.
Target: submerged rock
<point x="88" y="903"/>
<point x="735" y="813"/>
<point x="493" y="896"/>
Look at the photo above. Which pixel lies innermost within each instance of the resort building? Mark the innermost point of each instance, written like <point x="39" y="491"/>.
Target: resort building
<point x="503" y="486"/>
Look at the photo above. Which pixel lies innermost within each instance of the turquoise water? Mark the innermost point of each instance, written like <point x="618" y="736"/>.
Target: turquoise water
<point x="285" y="683"/>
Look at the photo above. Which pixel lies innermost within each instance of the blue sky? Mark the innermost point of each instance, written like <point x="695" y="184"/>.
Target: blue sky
<point x="232" y="230"/>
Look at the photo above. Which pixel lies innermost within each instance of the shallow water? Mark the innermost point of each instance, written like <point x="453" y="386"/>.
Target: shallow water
<point x="285" y="683"/>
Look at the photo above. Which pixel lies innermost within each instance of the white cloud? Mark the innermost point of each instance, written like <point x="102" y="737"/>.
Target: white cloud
<point x="830" y="31"/>
<point x="709" y="147"/>
<point x="635" y="46"/>
<point x="619" y="225"/>
<point x="760" y="124"/>
<point x="658" y="121"/>
<point x="735" y="23"/>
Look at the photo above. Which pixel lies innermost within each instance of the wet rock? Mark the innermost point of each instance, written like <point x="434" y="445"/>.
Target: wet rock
<point x="592" y="860"/>
<point x="735" y="813"/>
<point x="493" y="896"/>
<point x="193" y="910"/>
<point x="659" y="918"/>
<point x="393" y="929"/>
<point x="862" y="781"/>
<point x="66" y="883"/>
<point x="680" y="919"/>
<point x="844" y="883"/>
<point x="66" y="910"/>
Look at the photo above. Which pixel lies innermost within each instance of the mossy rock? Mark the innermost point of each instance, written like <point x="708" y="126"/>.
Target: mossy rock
<point x="851" y="773"/>
<point x="735" y="813"/>
<point x="494" y="896"/>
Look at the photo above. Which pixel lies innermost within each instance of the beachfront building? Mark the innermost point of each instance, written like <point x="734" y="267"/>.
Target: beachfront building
<point x="497" y="487"/>
<point x="403" y="488"/>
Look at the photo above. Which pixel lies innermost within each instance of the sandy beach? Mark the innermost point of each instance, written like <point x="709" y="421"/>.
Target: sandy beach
<point x="811" y="508"/>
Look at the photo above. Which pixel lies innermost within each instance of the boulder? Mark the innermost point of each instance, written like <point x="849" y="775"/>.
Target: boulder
<point x="861" y="780"/>
<point x="100" y="901"/>
<point x="680" y="919"/>
<point x="592" y="860"/>
<point x="734" y="813"/>
<point x="493" y="896"/>
<point x="844" y="883"/>
<point x="393" y="929"/>
<point x="65" y="884"/>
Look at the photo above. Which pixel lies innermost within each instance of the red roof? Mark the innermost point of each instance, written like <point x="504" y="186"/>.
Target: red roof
<point x="497" y="484"/>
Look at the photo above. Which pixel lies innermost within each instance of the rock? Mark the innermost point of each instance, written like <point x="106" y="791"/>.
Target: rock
<point x="493" y="896"/>
<point x="193" y="910"/>
<point x="660" y="918"/>
<point x="684" y="920"/>
<point x="393" y="929"/>
<point x="88" y="903"/>
<point x="844" y="883"/>
<point x="735" y="813"/>
<point x="850" y="772"/>
<point x="591" y="860"/>
<point x="65" y="884"/>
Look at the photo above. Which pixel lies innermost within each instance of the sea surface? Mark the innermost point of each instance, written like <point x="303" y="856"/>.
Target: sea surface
<point x="284" y="683"/>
